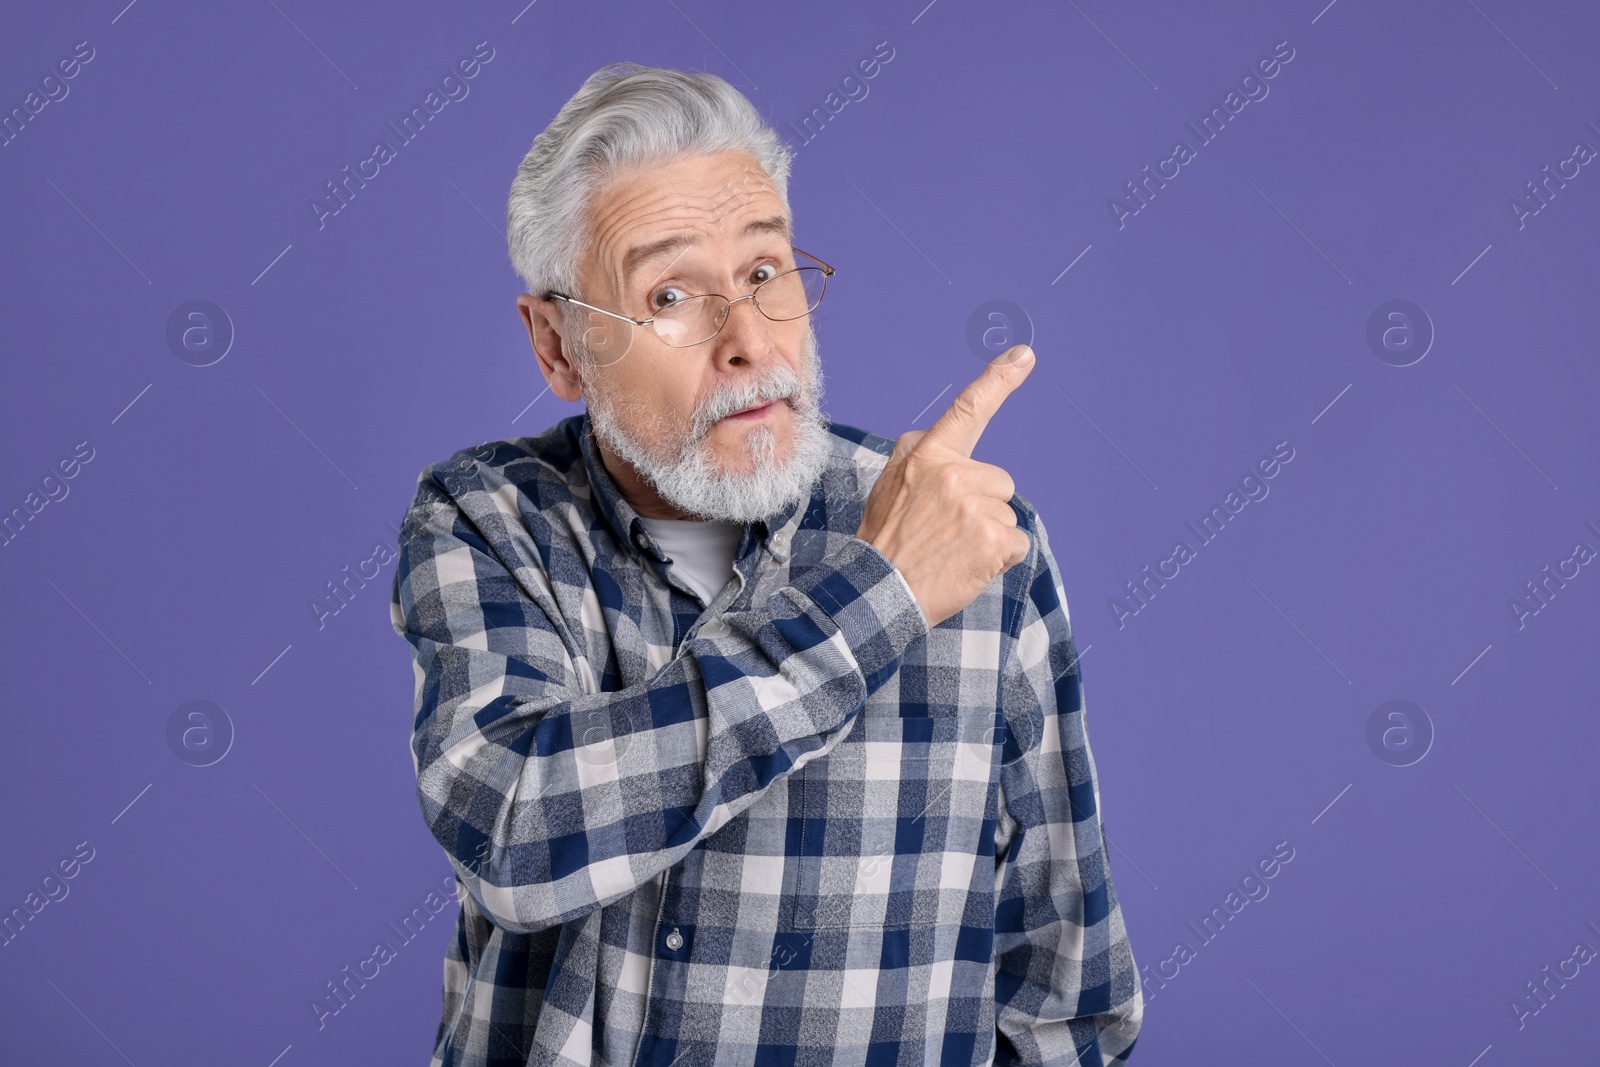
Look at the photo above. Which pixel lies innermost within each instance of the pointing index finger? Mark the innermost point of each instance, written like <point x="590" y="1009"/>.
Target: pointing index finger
<point x="963" y="422"/>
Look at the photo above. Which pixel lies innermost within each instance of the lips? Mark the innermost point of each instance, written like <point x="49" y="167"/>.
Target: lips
<point x="758" y="406"/>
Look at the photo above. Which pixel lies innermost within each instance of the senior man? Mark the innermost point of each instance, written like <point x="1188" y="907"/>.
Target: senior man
<point x="752" y="738"/>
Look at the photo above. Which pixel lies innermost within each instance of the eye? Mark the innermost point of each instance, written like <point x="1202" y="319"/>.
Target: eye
<point x="764" y="273"/>
<point x="668" y="297"/>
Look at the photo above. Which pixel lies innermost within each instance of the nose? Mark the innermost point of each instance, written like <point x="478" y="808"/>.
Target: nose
<point x="746" y="333"/>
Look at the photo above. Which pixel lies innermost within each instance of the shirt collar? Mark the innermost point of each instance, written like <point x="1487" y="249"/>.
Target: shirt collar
<point x="623" y="520"/>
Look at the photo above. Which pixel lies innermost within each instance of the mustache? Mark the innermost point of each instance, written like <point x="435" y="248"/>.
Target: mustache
<point x="782" y="384"/>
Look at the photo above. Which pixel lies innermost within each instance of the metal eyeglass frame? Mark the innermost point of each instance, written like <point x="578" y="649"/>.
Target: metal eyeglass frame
<point x="827" y="272"/>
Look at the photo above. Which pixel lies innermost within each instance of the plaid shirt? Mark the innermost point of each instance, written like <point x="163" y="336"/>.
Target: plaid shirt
<point x="793" y="826"/>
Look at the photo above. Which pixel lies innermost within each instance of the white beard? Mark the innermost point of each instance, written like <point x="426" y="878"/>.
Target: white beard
<point x="692" y="480"/>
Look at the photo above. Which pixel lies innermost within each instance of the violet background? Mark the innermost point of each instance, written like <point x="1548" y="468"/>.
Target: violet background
<point x="1227" y="315"/>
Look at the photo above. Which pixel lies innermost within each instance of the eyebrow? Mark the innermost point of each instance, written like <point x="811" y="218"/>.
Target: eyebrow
<point x="639" y="255"/>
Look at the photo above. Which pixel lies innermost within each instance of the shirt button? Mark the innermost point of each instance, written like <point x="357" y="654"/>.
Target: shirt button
<point x="641" y="539"/>
<point x="674" y="940"/>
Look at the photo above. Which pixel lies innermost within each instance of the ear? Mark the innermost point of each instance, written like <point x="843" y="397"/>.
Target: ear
<point x="542" y="319"/>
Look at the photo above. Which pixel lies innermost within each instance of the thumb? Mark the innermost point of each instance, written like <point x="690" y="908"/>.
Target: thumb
<point x="906" y="442"/>
<point x="904" y="445"/>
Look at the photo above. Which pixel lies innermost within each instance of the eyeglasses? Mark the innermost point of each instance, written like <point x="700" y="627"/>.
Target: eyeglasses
<point x="694" y="320"/>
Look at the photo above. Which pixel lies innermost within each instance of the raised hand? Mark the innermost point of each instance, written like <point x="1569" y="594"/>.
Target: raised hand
<point x="941" y="517"/>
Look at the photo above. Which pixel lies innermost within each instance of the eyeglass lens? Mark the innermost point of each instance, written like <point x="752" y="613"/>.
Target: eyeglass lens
<point x="699" y="318"/>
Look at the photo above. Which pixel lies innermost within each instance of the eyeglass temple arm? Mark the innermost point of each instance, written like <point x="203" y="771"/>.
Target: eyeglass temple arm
<point x="810" y="256"/>
<point x="591" y="307"/>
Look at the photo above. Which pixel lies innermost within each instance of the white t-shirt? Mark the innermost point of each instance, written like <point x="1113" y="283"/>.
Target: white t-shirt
<point x="701" y="550"/>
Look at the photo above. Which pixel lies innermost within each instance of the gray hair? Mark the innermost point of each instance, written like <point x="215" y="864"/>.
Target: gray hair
<point x="624" y="115"/>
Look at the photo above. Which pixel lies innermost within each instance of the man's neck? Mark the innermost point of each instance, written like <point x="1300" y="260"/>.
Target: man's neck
<point x="639" y="494"/>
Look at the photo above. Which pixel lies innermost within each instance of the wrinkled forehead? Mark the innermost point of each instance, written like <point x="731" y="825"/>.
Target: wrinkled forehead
<point x="647" y="219"/>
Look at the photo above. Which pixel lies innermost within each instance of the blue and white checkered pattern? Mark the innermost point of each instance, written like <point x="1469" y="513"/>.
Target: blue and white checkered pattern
<point x="793" y="826"/>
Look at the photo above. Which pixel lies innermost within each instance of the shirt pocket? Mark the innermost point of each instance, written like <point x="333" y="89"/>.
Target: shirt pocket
<point x="876" y="820"/>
